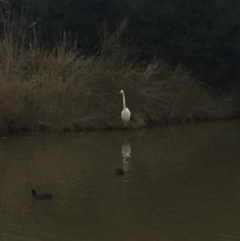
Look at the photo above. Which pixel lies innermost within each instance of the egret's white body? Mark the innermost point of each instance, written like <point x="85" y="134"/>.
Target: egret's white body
<point x="125" y="114"/>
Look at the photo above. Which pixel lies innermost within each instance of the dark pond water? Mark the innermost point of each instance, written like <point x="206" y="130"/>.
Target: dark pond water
<point x="181" y="183"/>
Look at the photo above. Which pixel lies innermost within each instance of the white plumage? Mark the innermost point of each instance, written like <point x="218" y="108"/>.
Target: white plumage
<point x="125" y="114"/>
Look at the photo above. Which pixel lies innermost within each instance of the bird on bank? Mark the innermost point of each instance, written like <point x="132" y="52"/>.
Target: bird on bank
<point x="40" y="196"/>
<point x="125" y="114"/>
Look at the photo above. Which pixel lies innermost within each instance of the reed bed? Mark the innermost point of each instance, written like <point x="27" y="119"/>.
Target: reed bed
<point x="63" y="89"/>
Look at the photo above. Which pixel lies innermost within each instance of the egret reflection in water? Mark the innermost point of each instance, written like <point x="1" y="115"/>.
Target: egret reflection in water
<point x="126" y="154"/>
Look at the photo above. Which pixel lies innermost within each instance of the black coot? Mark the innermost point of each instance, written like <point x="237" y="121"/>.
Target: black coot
<point x="41" y="196"/>
<point x="119" y="171"/>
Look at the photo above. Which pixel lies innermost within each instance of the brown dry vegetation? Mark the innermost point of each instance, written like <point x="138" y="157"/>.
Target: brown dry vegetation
<point x="64" y="90"/>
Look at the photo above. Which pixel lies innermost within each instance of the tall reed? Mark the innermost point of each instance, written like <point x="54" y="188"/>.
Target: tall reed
<point x="63" y="89"/>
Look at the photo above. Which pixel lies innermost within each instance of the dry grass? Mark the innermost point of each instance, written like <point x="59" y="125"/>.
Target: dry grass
<point x="64" y="90"/>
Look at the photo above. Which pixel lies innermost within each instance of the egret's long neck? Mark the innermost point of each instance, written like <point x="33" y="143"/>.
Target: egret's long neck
<point x="124" y="100"/>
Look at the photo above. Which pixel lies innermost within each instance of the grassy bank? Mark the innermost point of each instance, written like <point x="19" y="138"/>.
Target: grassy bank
<point x="64" y="90"/>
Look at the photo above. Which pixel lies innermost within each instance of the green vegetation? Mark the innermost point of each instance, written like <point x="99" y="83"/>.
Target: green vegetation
<point x="203" y="35"/>
<point x="59" y="87"/>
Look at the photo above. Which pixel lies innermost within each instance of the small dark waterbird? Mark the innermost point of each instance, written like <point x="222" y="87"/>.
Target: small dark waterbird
<point x="119" y="171"/>
<point x="43" y="196"/>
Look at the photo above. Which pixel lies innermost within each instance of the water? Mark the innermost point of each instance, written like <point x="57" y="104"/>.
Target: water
<point x="181" y="183"/>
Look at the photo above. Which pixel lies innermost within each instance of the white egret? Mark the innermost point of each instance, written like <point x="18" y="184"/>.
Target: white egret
<point x="125" y="114"/>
